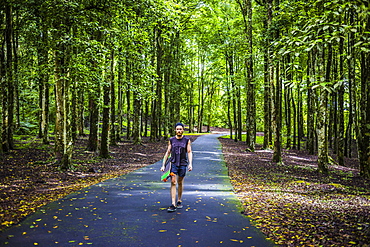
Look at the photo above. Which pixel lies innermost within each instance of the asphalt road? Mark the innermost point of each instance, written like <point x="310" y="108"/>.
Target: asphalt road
<point x="132" y="211"/>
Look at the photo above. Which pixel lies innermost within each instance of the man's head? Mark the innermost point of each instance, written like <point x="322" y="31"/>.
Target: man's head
<point x="179" y="128"/>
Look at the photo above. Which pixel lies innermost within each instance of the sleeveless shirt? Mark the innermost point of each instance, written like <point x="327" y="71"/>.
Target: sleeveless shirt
<point x="179" y="150"/>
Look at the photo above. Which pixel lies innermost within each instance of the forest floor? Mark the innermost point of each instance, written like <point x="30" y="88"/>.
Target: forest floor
<point x="293" y="204"/>
<point x="290" y="202"/>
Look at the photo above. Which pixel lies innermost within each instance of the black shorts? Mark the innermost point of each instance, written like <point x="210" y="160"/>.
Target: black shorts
<point x="179" y="170"/>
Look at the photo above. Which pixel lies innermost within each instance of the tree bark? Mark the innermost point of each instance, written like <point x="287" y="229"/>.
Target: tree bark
<point x="128" y="97"/>
<point x="341" y="91"/>
<point x="113" y="126"/>
<point x="364" y="113"/>
<point x="104" y="143"/>
<point x="63" y="137"/>
<point x="276" y="157"/>
<point x="246" y="8"/>
<point x="8" y="102"/>
<point x="311" y="106"/>
<point x="136" y="127"/>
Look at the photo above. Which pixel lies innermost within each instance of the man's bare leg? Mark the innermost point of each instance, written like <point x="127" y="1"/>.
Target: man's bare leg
<point x="180" y="188"/>
<point x="173" y="189"/>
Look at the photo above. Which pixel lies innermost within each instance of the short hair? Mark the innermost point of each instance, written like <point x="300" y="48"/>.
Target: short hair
<point x="179" y="124"/>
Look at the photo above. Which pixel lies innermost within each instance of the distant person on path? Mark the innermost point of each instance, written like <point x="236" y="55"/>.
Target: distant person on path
<point x="181" y="160"/>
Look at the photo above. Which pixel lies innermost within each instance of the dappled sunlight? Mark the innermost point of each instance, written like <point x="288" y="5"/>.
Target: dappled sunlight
<point x="299" y="158"/>
<point x="141" y="154"/>
<point x="264" y="151"/>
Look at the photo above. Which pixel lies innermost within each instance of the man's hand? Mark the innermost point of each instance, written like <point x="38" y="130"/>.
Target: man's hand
<point x="162" y="168"/>
<point x="190" y="167"/>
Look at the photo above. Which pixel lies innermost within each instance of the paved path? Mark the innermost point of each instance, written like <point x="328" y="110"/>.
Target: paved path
<point x="131" y="211"/>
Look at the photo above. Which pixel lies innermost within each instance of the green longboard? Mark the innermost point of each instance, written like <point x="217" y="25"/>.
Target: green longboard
<point x="166" y="174"/>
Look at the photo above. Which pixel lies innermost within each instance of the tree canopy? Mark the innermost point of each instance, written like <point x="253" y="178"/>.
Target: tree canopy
<point x="295" y="70"/>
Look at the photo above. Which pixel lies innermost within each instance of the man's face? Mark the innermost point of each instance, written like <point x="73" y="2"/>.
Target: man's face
<point x="179" y="130"/>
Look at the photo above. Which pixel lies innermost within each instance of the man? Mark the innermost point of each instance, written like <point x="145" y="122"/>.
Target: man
<point x="181" y="160"/>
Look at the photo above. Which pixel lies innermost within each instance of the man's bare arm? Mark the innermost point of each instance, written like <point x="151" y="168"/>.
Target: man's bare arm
<point x="168" y="152"/>
<point x="190" y="156"/>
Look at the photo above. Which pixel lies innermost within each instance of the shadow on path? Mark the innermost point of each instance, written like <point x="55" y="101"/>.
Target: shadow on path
<point x="131" y="210"/>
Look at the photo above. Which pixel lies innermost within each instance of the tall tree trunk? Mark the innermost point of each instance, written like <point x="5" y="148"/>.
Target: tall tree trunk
<point x="341" y="91"/>
<point x="364" y="113"/>
<point x="104" y="143"/>
<point x="229" y="97"/>
<point x="157" y="103"/>
<point x="136" y="126"/>
<point x="310" y="105"/>
<point x="266" y="104"/>
<point x="113" y="126"/>
<point x="128" y="97"/>
<point x="300" y="114"/>
<point x="295" y="120"/>
<point x="16" y="103"/>
<point x="63" y="137"/>
<point x="351" y="90"/>
<point x="81" y="112"/>
<point x="276" y="157"/>
<point x="94" y="95"/>
<point x="8" y="117"/>
<point x="246" y="8"/>
<point x="287" y="101"/>
<point x="42" y="53"/>
<point x="4" y="101"/>
<point x="267" y="91"/>
<point x="201" y="95"/>
<point x="323" y="156"/>
<point x="94" y="98"/>
<point x="120" y="97"/>
<point x="92" y="144"/>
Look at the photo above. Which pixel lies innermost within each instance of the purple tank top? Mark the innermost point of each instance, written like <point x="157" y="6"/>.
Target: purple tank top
<point x="179" y="151"/>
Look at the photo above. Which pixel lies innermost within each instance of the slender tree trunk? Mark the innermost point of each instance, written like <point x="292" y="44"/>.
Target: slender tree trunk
<point x="288" y="112"/>
<point x="295" y="121"/>
<point x="157" y="103"/>
<point x="276" y="157"/>
<point x="104" y="143"/>
<point x="4" y="102"/>
<point x="74" y="107"/>
<point x="351" y="90"/>
<point x="299" y="117"/>
<point x="120" y="98"/>
<point x="94" y="97"/>
<point x="323" y="157"/>
<point x="16" y="103"/>
<point x="311" y="106"/>
<point x="136" y="130"/>
<point x="43" y="87"/>
<point x="128" y="97"/>
<point x="266" y="104"/>
<point x="364" y="113"/>
<point x="341" y="91"/>
<point x="113" y="126"/>
<point x="8" y="123"/>
<point x="228" y="90"/>
<point x="63" y="137"/>
<point x="81" y="112"/>
<point x="201" y="96"/>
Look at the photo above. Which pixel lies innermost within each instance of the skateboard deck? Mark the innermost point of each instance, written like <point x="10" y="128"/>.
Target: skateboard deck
<point x="166" y="174"/>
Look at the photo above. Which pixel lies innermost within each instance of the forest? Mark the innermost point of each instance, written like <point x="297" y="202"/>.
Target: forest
<point x="295" y="70"/>
<point x="82" y="76"/>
